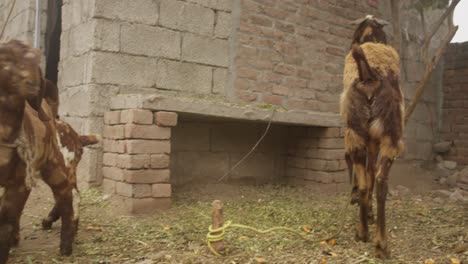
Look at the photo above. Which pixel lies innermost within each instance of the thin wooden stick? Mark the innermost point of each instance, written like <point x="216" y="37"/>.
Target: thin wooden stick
<point x="427" y="73"/>
<point x="396" y="24"/>
<point x="217" y="219"/>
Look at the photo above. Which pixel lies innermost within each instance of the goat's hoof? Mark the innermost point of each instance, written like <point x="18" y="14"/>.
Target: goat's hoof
<point x="370" y="218"/>
<point x="46" y="224"/>
<point x="66" y="250"/>
<point x="361" y="235"/>
<point x="381" y="249"/>
<point x="382" y="253"/>
<point x="355" y="196"/>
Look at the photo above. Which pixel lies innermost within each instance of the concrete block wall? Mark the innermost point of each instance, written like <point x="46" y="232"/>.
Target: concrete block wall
<point x="316" y="154"/>
<point x="203" y="151"/>
<point x="137" y="154"/>
<point x="455" y="108"/>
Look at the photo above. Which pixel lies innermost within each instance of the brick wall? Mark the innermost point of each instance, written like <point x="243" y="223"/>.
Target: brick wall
<point x="291" y="53"/>
<point x="316" y="155"/>
<point x="455" y="108"/>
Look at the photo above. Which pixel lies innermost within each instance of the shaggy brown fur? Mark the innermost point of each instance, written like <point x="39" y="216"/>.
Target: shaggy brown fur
<point x="372" y="107"/>
<point x="30" y="147"/>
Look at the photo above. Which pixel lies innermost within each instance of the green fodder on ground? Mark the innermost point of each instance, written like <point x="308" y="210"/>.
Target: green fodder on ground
<point x="420" y="228"/>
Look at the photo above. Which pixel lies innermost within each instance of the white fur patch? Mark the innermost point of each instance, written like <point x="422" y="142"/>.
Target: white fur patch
<point x="376" y="128"/>
<point x="68" y="155"/>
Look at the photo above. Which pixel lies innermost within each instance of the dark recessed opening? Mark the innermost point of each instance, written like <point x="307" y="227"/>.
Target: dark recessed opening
<point x="52" y="39"/>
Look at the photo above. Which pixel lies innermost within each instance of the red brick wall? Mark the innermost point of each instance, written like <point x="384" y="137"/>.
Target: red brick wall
<point x="291" y="52"/>
<point x="455" y="106"/>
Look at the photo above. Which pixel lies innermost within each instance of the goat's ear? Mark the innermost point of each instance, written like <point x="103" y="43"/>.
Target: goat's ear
<point x="36" y="102"/>
<point x="358" y="21"/>
<point x="381" y="22"/>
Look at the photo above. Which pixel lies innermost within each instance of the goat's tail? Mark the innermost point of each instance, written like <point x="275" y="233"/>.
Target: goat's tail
<point x="89" y="140"/>
<point x="365" y="71"/>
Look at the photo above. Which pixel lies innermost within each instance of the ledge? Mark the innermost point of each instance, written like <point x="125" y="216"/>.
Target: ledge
<point x="219" y="109"/>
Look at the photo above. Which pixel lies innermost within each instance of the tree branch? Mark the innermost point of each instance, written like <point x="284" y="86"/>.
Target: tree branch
<point x="439" y="22"/>
<point x="428" y="71"/>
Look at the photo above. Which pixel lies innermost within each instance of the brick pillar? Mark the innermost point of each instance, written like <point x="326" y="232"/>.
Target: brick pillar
<point x="137" y="148"/>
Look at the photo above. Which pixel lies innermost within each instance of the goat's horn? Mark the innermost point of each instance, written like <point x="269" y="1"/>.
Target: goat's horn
<point x="381" y="22"/>
<point x="358" y="21"/>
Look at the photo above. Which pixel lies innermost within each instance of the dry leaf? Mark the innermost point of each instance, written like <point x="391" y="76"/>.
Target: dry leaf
<point x="260" y="260"/>
<point x="243" y="237"/>
<point x="323" y="242"/>
<point x="94" y="228"/>
<point x="454" y="261"/>
<point x="166" y="227"/>
<point x="324" y="261"/>
<point x="333" y="254"/>
<point x="429" y="261"/>
<point x="306" y="229"/>
<point x="332" y="242"/>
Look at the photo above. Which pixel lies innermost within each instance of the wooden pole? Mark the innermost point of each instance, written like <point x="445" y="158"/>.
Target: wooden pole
<point x="217" y="219"/>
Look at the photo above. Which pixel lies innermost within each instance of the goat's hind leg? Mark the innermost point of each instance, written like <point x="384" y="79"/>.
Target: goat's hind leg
<point x="388" y="154"/>
<point x="352" y="180"/>
<point x="62" y="190"/>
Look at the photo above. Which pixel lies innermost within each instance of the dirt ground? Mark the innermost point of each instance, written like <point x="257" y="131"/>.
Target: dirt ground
<point x="421" y="227"/>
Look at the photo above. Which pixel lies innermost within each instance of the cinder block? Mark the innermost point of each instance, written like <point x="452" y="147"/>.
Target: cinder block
<point x="166" y="119"/>
<point x="161" y="190"/>
<point x="186" y="17"/>
<point x="136" y="116"/>
<point x="220" y="76"/>
<point x="106" y="35"/>
<point x="223" y="25"/>
<point x="119" y="69"/>
<point x="147" y="176"/>
<point x="112" y="117"/>
<point x="224" y="5"/>
<point x="183" y="76"/>
<point x="150" y="41"/>
<point x="160" y="161"/>
<point x="114" y="132"/>
<point x="205" y="50"/>
<point x="148" y="146"/>
<point x="140" y="11"/>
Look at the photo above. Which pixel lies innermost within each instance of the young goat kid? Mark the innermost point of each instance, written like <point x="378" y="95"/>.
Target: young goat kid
<point x="30" y="146"/>
<point x="372" y="107"/>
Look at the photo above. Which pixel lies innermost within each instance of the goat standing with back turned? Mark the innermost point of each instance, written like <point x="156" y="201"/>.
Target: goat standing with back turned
<point x="372" y="107"/>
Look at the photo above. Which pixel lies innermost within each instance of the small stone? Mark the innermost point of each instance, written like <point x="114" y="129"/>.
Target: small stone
<point x="443" y="181"/>
<point x="441" y="171"/>
<point x="457" y="196"/>
<point x="462" y="186"/>
<point x="442" y="147"/>
<point x="451" y="165"/>
<point x="438" y="200"/>
<point x="146" y="261"/>
<point x="452" y="180"/>
<point x="442" y="193"/>
<point x="463" y="176"/>
<point x="402" y="190"/>
<point x="439" y="158"/>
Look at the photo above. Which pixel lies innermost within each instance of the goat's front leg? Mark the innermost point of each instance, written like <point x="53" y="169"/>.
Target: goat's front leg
<point x="12" y="205"/>
<point x="381" y="245"/>
<point x="358" y="157"/>
<point x="53" y="216"/>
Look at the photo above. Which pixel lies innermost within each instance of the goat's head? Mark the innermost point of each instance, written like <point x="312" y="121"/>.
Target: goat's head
<point x="370" y="29"/>
<point x="20" y="74"/>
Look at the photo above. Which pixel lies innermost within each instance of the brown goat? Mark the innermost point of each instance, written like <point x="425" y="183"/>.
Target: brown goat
<point x="30" y="146"/>
<point x="372" y="107"/>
